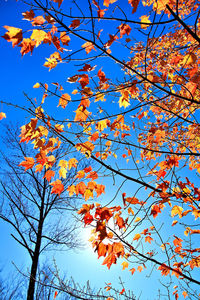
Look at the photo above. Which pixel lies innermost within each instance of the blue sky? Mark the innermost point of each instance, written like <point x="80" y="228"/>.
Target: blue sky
<point x="18" y="75"/>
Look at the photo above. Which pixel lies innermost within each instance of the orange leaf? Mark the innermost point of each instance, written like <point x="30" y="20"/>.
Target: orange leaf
<point x="134" y="4"/>
<point x="64" y="99"/>
<point x="13" y="35"/>
<point x="58" y="187"/>
<point x="55" y="295"/>
<point x="39" y="20"/>
<point x="65" y="39"/>
<point x="49" y="174"/>
<point x="74" y="24"/>
<point x="136" y="237"/>
<point x="122" y="291"/>
<point x="88" y="47"/>
<point x="132" y="271"/>
<point x="140" y="268"/>
<point x="125" y="265"/>
<point x="164" y="269"/>
<point x="28" y="163"/>
<point x="28" y="15"/>
<point x="148" y="239"/>
<point x="108" y="2"/>
<point x="2" y="115"/>
<point x="59" y="2"/>
<point x="185" y="294"/>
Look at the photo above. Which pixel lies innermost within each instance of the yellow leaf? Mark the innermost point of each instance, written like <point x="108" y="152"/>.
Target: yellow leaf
<point x="2" y="115"/>
<point x="177" y="210"/>
<point x="36" y="86"/>
<point x="62" y="172"/>
<point x="125" y="265"/>
<point x="145" y="19"/>
<point x="137" y="219"/>
<point x="136" y="237"/>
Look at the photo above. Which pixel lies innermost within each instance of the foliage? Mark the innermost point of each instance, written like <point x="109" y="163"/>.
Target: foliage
<point x="134" y="111"/>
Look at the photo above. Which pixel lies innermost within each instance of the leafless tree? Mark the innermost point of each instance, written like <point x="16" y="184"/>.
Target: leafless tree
<point x="39" y="218"/>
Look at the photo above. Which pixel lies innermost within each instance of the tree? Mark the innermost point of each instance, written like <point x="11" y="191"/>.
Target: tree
<point x="137" y="89"/>
<point x="39" y="216"/>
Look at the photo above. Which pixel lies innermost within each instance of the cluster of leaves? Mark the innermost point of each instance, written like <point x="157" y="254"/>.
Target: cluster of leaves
<point x="152" y="128"/>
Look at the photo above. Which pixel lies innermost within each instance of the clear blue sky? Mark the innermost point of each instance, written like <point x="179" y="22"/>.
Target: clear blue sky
<point x="18" y="75"/>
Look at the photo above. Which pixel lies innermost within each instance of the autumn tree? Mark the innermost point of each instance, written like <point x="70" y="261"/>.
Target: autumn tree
<point x="38" y="214"/>
<point x="134" y="111"/>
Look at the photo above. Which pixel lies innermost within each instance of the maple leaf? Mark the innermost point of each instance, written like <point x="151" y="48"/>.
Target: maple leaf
<point x="55" y="295"/>
<point x="64" y="99"/>
<point x="134" y="4"/>
<point x="124" y="29"/>
<point x="72" y="163"/>
<point x="136" y="237"/>
<point x="28" y="163"/>
<point x="51" y="63"/>
<point x="65" y="39"/>
<point x="28" y="15"/>
<point x="125" y="265"/>
<point x="177" y="210"/>
<point x="75" y="24"/>
<point x="27" y="45"/>
<point x="38" y="36"/>
<point x="165" y="270"/>
<point x="2" y="115"/>
<point x="108" y="2"/>
<point x="13" y="35"/>
<point x="39" y="20"/>
<point x="132" y="271"/>
<point x="49" y="174"/>
<point x="140" y="268"/>
<point x="88" y="47"/>
<point x="155" y="210"/>
<point x="148" y="239"/>
<point x="58" y="1"/>
<point x="36" y="85"/>
<point x="57" y="187"/>
<point x="145" y="19"/>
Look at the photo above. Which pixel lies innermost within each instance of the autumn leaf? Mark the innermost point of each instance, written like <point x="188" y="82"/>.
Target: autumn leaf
<point x="88" y="47"/>
<point x="125" y="265"/>
<point x="65" y="39"/>
<point x="177" y="210"/>
<point x="39" y="20"/>
<point x="57" y="187"/>
<point x="59" y="2"/>
<point x="145" y="19"/>
<point x="165" y="270"/>
<point x="72" y="163"/>
<point x="108" y="2"/>
<point x="55" y="295"/>
<point x="64" y="99"/>
<point x="28" y="15"/>
<point x="132" y="271"/>
<point x="148" y="239"/>
<point x="136" y="237"/>
<point x="28" y="163"/>
<point x="14" y="35"/>
<point x="134" y="4"/>
<point x="38" y="36"/>
<point x="49" y="174"/>
<point x="75" y="23"/>
<point x="137" y="219"/>
<point x="124" y="29"/>
<point x="140" y="268"/>
<point x="2" y="115"/>
<point x="36" y="85"/>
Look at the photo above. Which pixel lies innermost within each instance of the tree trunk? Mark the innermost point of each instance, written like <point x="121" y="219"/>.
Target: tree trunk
<point x="36" y="253"/>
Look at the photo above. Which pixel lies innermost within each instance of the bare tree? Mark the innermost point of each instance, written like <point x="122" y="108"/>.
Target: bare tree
<point x="39" y="218"/>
